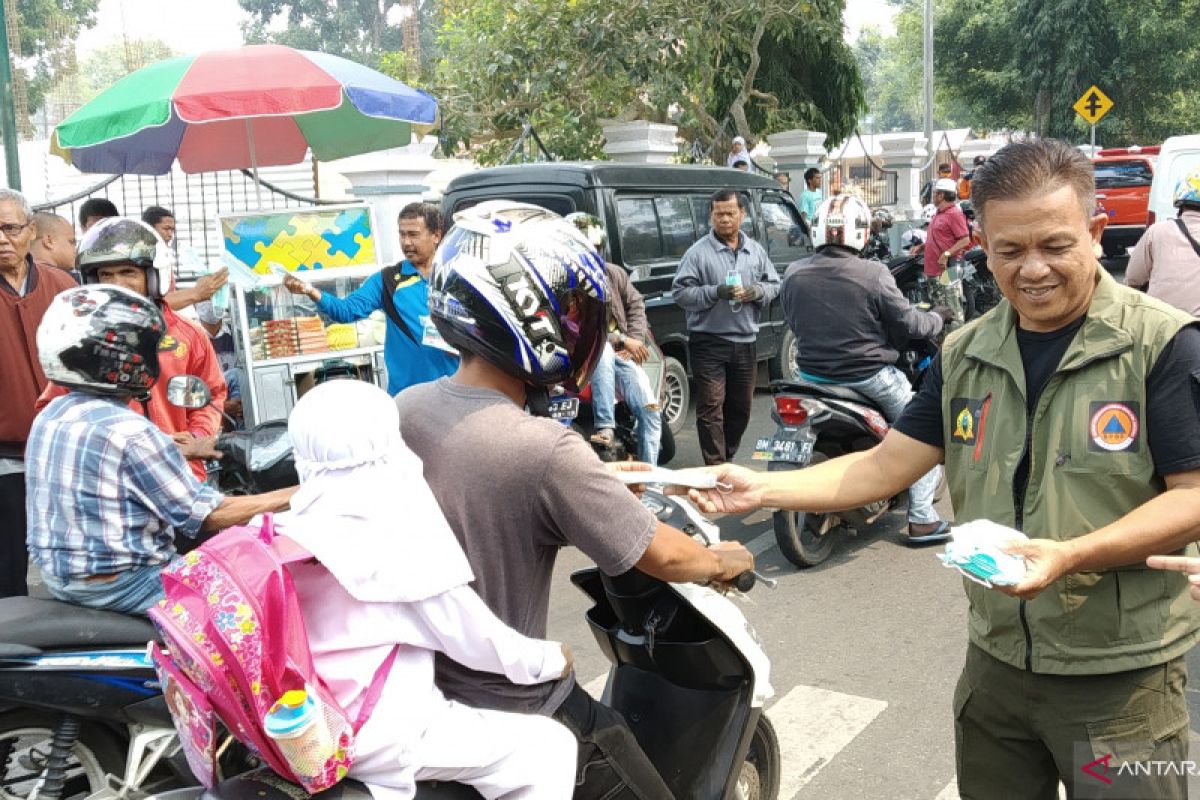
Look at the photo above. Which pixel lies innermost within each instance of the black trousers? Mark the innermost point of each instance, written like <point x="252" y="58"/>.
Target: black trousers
<point x="723" y="372"/>
<point x="14" y="558"/>
<point x="612" y="765"/>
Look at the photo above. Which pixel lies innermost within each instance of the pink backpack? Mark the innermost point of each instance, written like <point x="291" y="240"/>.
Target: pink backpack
<point x="235" y="642"/>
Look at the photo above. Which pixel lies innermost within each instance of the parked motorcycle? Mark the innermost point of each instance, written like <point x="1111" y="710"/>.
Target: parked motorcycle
<point x="81" y="713"/>
<point x="688" y="673"/>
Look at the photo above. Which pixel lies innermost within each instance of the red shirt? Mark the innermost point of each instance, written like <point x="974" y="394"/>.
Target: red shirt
<point x="947" y="227"/>
<point x="184" y="350"/>
<point x="21" y="376"/>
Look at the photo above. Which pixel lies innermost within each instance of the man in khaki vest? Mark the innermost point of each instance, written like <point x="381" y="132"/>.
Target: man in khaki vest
<point x="1070" y="413"/>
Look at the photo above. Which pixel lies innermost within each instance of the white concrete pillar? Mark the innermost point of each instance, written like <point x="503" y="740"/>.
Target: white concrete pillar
<point x="640" y="142"/>
<point x="975" y="147"/>
<point x="906" y="153"/>
<point x="795" y="151"/>
<point x="388" y="181"/>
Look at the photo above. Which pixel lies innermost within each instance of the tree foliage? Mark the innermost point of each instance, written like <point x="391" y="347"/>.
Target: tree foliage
<point x="714" y="69"/>
<point x="361" y="30"/>
<point x="1021" y="66"/>
<point x="48" y="29"/>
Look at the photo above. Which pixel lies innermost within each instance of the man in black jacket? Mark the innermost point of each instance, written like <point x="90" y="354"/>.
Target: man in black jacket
<point x="851" y="320"/>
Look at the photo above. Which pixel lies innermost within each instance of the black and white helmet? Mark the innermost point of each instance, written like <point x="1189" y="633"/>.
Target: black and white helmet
<point x="842" y="220"/>
<point x="118" y="240"/>
<point x="522" y="288"/>
<point x="102" y="340"/>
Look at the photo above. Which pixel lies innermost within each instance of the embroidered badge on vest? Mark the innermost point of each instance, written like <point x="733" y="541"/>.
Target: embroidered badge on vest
<point x="169" y="344"/>
<point x="964" y="417"/>
<point x="1113" y="426"/>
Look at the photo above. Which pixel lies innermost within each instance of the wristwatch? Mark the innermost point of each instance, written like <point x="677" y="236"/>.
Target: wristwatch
<point x="946" y="254"/>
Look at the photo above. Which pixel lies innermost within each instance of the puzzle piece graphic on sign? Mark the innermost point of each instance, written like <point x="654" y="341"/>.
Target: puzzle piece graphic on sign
<point x="348" y="227"/>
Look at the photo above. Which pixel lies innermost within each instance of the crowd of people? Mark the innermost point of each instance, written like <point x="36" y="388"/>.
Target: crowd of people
<point x="1068" y="413"/>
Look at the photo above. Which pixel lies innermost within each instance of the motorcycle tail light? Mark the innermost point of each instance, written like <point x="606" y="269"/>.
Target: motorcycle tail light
<point x="791" y="410"/>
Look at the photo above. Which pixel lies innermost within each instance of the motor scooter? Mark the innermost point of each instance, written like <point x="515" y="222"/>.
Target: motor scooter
<point x="688" y="673"/>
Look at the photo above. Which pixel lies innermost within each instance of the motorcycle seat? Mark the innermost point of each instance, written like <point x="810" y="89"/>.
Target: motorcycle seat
<point x="262" y="784"/>
<point x="53" y="625"/>
<point x="829" y="390"/>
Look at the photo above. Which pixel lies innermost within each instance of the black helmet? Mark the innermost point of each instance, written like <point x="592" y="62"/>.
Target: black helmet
<point x="102" y="340"/>
<point x="118" y="240"/>
<point x="520" y="287"/>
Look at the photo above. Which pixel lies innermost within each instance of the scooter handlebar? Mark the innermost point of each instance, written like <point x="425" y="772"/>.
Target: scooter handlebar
<point x="745" y="582"/>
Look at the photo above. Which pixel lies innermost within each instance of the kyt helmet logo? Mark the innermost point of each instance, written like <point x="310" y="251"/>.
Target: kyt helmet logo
<point x="1098" y="769"/>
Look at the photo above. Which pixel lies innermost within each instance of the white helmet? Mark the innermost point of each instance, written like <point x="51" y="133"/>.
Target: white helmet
<point x="842" y="220"/>
<point x="120" y="240"/>
<point x="912" y="237"/>
<point x="928" y="212"/>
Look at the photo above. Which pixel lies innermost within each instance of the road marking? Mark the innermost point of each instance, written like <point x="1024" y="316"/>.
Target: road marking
<point x="950" y="792"/>
<point x="814" y="725"/>
<point x="595" y="687"/>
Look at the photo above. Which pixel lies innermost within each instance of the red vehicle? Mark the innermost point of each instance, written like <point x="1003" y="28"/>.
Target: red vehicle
<point x="1123" y="176"/>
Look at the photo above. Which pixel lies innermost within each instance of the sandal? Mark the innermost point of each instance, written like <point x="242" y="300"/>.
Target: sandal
<point x="939" y="534"/>
<point x="604" y="437"/>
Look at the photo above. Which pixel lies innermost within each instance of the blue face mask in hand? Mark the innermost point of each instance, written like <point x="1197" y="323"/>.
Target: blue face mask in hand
<point x="975" y="552"/>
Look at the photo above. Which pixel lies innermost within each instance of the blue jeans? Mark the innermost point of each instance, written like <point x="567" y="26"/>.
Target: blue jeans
<point x="891" y="391"/>
<point x="619" y="374"/>
<point x="131" y="592"/>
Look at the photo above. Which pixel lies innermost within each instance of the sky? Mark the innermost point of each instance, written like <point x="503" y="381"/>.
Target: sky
<point x="188" y="26"/>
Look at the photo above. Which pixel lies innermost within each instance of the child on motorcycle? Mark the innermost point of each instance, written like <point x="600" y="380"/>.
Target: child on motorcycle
<point x="388" y="571"/>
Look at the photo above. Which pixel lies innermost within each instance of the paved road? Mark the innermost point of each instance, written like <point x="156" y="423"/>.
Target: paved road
<point x="865" y="652"/>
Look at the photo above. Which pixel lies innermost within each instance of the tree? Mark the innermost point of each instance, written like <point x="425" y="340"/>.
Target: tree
<point x="108" y="64"/>
<point x="47" y="33"/>
<point x="361" y="30"/>
<point x="712" y="68"/>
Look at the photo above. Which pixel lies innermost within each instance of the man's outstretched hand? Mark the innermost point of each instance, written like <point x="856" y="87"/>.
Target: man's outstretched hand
<point x="738" y="490"/>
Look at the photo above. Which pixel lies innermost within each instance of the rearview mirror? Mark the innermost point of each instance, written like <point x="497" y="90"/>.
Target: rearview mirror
<point x="188" y="391"/>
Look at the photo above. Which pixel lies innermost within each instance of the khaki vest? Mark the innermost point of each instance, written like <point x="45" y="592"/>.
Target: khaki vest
<point x="1089" y="465"/>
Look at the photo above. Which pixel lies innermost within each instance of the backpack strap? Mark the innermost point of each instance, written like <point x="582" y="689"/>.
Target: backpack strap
<point x="375" y="689"/>
<point x="391" y="277"/>
<point x="1187" y="234"/>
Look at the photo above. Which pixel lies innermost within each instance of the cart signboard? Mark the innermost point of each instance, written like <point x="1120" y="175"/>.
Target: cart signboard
<point x="310" y="239"/>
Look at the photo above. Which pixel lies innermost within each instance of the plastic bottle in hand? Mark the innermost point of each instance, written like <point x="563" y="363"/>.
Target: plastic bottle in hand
<point x="734" y="278"/>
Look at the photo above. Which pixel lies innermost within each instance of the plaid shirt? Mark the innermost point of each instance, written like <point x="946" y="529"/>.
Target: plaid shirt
<point x="106" y="489"/>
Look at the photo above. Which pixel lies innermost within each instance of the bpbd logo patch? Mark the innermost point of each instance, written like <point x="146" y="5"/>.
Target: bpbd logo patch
<point x="964" y="419"/>
<point x="1113" y="426"/>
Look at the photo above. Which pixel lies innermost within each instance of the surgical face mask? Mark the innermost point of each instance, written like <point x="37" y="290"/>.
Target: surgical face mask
<point x="208" y="312"/>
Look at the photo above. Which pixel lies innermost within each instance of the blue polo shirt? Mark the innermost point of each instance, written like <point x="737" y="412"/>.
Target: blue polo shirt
<point x="408" y="362"/>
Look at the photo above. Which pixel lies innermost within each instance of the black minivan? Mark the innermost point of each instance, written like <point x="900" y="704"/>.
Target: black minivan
<point x="654" y="213"/>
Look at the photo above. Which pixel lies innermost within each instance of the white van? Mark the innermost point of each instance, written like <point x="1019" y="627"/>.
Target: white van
<point x="1179" y="156"/>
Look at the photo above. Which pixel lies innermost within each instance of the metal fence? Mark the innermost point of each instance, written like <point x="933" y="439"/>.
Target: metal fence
<point x="196" y="201"/>
<point x="864" y="177"/>
<point x="528" y="148"/>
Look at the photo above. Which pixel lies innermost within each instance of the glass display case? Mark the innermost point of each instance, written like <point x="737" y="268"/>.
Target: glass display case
<point x="284" y="345"/>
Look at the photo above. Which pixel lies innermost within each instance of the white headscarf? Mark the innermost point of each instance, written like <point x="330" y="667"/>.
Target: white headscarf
<point x="363" y="508"/>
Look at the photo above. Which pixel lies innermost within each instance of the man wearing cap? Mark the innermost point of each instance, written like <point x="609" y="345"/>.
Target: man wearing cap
<point x="949" y="235"/>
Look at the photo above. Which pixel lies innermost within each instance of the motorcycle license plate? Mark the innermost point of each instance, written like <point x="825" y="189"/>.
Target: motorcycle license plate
<point x="564" y="408"/>
<point x="793" y="449"/>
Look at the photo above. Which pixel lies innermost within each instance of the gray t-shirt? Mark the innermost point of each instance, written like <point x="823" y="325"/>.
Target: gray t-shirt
<point x="515" y="489"/>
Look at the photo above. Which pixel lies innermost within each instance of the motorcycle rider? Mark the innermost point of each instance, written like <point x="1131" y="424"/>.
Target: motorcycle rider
<point x="128" y="253"/>
<point x="851" y="321"/>
<point x="521" y="295"/>
<point x="107" y="490"/>
<point x="619" y="368"/>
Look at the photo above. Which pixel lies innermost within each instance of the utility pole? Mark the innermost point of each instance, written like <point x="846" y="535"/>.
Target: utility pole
<point x="8" y="117"/>
<point x="928" y="81"/>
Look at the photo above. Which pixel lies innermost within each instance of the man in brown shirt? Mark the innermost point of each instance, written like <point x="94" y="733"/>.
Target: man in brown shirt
<point x="25" y="292"/>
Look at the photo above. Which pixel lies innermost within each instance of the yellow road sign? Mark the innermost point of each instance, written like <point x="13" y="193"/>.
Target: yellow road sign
<point x="1093" y="105"/>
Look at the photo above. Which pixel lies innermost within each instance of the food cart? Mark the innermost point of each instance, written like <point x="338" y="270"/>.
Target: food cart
<point x="282" y="341"/>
